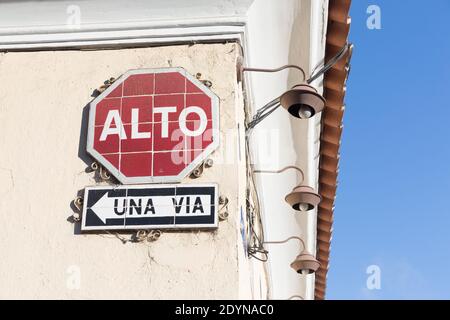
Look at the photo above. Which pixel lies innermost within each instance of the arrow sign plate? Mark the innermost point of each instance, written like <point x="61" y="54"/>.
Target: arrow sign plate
<point x="188" y="206"/>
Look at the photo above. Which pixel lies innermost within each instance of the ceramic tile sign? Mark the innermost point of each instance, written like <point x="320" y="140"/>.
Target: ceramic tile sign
<point x="153" y="126"/>
<point x="181" y="206"/>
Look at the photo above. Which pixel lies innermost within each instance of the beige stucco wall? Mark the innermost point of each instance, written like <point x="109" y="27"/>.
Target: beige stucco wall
<point x="42" y="168"/>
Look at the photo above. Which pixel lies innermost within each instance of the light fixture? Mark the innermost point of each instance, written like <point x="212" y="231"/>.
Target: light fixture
<point x="305" y="263"/>
<point x="302" y="101"/>
<point x="302" y="198"/>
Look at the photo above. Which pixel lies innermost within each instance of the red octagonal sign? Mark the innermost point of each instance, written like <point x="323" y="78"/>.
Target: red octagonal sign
<point x="153" y="126"/>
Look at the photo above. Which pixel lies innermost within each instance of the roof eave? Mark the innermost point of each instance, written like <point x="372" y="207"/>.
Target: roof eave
<point x="334" y="91"/>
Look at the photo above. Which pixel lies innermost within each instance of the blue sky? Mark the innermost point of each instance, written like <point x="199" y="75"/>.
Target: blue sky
<point x="393" y="199"/>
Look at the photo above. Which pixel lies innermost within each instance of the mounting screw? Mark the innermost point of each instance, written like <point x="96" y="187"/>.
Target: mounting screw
<point x="207" y="83"/>
<point x="94" y="166"/>
<point x="197" y="173"/>
<point x="78" y="202"/>
<point x="76" y="217"/>
<point x="223" y="215"/>
<point x="209" y="163"/>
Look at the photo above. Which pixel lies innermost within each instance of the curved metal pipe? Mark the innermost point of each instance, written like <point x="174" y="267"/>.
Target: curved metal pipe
<point x="283" y="170"/>
<point x="288" y="66"/>
<point x="287" y="240"/>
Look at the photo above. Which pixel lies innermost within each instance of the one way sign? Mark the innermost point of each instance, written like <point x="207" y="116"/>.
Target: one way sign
<point x="150" y="207"/>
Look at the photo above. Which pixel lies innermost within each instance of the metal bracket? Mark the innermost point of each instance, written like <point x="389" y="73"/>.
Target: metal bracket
<point x="78" y="203"/>
<point x="198" y="172"/>
<point x="148" y="235"/>
<point x="103" y="173"/>
<point x="207" y="83"/>
<point x="223" y="211"/>
<point x="106" y="84"/>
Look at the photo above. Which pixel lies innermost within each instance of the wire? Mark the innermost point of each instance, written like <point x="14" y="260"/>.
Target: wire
<point x="330" y="63"/>
<point x="260" y="117"/>
<point x="255" y="247"/>
<point x="267" y="106"/>
<point x="263" y="113"/>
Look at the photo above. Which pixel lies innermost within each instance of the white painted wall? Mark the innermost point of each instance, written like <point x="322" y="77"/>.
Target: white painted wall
<point x="279" y="33"/>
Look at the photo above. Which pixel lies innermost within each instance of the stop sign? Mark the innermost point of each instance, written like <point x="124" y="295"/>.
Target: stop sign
<point x="153" y="126"/>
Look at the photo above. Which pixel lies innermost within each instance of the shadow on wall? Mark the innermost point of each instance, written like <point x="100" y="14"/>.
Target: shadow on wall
<point x="88" y="160"/>
<point x="82" y="154"/>
<point x="299" y="52"/>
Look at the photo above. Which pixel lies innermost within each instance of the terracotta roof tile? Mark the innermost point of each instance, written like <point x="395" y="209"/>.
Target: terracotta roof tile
<point x="330" y="141"/>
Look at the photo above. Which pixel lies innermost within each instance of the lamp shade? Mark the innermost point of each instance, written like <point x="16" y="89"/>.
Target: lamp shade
<point x="305" y="263"/>
<point x="302" y="101"/>
<point x="303" y="198"/>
